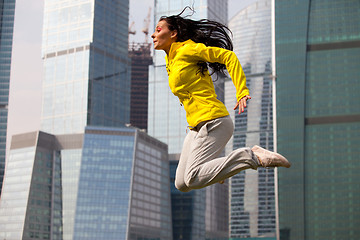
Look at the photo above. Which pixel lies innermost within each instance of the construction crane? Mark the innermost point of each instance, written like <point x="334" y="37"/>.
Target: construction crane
<point x="145" y="29"/>
<point x="131" y="31"/>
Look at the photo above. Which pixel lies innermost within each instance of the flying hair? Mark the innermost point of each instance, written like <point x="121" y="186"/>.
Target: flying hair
<point x="208" y="32"/>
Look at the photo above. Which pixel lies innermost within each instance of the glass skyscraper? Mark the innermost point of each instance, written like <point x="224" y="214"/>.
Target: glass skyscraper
<point x="31" y="204"/>
<point x="206" y="209"/>
<point x="140" y="61"/>
<point x="318" y="115"/>
<point x="188" y="209"/>
<point x="86" y="65"/>
<point x="87" y="176"/>
<point x="7" y="12"/>
<point x="166" y="119"/>
<point x="252" y="193"/>
<point x="129" y="199"/>
<point x="119" y="190"/>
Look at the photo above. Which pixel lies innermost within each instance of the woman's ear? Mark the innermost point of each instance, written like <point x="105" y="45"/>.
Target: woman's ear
<point x="173" y="34"/>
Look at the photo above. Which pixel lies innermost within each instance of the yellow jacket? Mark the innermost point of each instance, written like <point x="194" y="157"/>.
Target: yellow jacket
<point x="196" y="91"/>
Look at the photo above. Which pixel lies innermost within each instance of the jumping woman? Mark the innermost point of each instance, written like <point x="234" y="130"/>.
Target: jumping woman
<point x="191" y="46"/>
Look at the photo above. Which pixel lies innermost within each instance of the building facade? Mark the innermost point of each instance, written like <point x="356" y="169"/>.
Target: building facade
<point x="188" y="210"/>
<point x="252" y="193"/>
<point x="86" y="66"/>
<point x="318" y="69"/>
<point x="119" y="190"/>
<point x="7" y="14"/>
<point x="140" y="61"/>
<point x="87" y="176"/>
<point x="167" y="122"/>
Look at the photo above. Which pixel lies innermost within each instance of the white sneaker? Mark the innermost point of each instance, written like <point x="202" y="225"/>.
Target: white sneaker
<point x="270" y="159"/>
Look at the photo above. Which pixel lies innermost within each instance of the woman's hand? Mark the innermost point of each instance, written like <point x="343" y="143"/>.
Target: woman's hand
<point x="241" y="104"/>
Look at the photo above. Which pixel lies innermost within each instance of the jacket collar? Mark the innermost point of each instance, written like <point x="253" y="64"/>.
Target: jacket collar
<point x="174" y="47"/>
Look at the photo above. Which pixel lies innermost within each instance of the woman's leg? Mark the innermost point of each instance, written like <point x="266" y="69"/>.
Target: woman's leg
<point x="184" y="156"/>
<point x="199" y="166"/>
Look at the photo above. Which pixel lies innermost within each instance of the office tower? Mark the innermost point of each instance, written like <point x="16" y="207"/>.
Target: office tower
<point x="198" y="214"/>
<point x="84" y="180"/>
<point x="119" y="190"/>
<point x="140" y="61"/>
<point x="252" y="193"/>
<point x="188" y="210"/>
<point x="86" y="65"/>
<point x="31" y="198"/>
<point x="140" y="184"/>
<point x="7" y="12"/>
<point x="318" y="115"/>
<point x="217" y="212"/>
<point x="167" y="122"/>
<point x="191" y="218"/>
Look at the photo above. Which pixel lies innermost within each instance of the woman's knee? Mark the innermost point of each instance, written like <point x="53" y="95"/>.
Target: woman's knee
<point x="191" y="180"/>
<point x="181" y="186"/>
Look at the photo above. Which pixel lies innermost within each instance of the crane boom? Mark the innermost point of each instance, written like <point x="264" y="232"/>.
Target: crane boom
<point x="145" y="29"/>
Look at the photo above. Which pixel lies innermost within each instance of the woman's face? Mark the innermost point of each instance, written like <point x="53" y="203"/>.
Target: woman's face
<point x="163" y="37"/>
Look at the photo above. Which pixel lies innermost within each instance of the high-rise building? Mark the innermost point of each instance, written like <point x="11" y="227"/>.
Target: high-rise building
<point x="207" y="208"/>
<point x="188" y="209"/>
<point x="140" y="61"/>
<point x="318" y="115"/>
<point x="199" y="214"/>
<point x="87" y="176"/>
<point x="7" y="13"/>
<point x="30" y="206"/>
<point x="86" y="65"/>
<point x="119" y="190"/>
<point x="252" y="193"/>
<point x="166" y="119"/>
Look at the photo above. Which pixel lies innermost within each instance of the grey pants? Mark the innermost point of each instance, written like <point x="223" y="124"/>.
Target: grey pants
<point x="199" y="166"/>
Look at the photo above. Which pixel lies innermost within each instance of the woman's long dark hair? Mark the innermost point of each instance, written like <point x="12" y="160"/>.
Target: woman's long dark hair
<point x="208" y="32"/>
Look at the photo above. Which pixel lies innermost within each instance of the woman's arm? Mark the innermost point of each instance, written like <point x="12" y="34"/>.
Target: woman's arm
<point x="232" y="63"/>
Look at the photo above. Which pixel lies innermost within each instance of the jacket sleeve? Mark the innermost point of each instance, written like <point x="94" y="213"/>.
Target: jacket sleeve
<point x="232" y="63"/>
